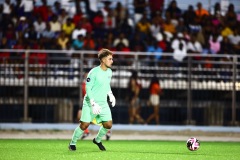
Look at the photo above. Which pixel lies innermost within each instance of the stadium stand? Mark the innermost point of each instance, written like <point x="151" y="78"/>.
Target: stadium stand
<point x="47" y="46"/>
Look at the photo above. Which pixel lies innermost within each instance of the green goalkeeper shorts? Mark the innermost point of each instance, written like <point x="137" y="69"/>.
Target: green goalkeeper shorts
<point x="87" y="115"/>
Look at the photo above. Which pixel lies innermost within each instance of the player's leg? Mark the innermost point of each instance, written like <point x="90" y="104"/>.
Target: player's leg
<point x="156" y="114"/>
<point x="77" y="133"/>
<point x="86" y="118"/>
<point x="102" y="132"/>
<point x="86" y="133"/>
<point x="108" y="135"/>
<point x="106" y="118"/>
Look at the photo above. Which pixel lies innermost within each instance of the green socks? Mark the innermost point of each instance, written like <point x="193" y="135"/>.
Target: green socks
<point x="76" y="134"/>
<point x="102" y="132"/>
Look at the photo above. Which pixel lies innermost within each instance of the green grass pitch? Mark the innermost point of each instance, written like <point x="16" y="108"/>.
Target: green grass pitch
<point x="116" y="150"/>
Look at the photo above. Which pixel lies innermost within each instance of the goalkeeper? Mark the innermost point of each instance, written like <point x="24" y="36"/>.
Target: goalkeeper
<point x="95" y="103"/>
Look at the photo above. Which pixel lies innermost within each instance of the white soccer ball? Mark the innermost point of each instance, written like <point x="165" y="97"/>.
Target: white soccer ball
<point x="193" y="144"/>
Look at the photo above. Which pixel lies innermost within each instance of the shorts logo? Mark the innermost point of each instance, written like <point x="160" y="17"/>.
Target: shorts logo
<point x="88" y="79"/>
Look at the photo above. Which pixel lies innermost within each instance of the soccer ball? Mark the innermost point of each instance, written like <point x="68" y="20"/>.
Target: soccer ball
<point x="193" y="144"/>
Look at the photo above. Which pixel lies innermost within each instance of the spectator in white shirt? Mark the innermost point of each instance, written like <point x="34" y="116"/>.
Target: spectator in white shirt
<point x="79" y="31"/>
<point x="28" y="6"/>
<point x="6" y="10"/>
<point x="193" y="46"/>
<point x="235" y="37"/>
<point x="39" y="25"/>
<point x="179" y="47"/>
<point x="121" y="39"/>
<point x="7" y="7"/>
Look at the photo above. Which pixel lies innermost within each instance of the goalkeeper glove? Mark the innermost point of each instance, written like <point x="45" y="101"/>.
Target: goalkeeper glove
<point x="111" y="99"/>
<point x="96" y="109"/>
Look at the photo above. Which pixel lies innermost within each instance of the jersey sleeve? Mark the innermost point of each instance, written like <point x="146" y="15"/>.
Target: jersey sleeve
<point x="89" y="83"/>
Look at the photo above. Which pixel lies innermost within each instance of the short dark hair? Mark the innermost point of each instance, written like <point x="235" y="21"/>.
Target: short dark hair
<point x="104" y="53"/>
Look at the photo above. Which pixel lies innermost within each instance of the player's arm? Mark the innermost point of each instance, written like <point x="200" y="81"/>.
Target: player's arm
<point x="89" y="85"/>
<point x="111" y="97"/>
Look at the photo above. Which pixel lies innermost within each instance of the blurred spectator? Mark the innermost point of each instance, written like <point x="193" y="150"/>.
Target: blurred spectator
<point x="42" y="11"/>
<point x="155" y="27"/>
<point x="39" y="25"/>
<point x="126" y="26"/>
<point x="17" y="9"/>
<point x="89" y="43"/>
<point x="154" y="99"/>
<point x="137" y="44"/>
<point x="200" y="11"/>
<point x="226" y="30"/>
<point x="173" y="11"/>
<point x="10" y="35"/>
<point x="143" y="26"/>
<point x="86" y="24"/>
<point x="207" y="28"/>
<point x="155" y="52"/>
<point x="77" y="44"/>
<point x="189" y="16"/>
<point x="78" y="31"/>
<point x="139" y="8"/>
<point x="119" y="13"/>
<point x="68" y="27"/>
<point x="56" y="9"/>
<point x="133" y="99"/>
<point x="107" y="43"/>
<point x="163" y="43"/>
<point x="193" y="46"/>
<point x="21" y="26"/>
<point x="110" y="21"/>
<point x="98" y="20"/>
<point x="91" y="8"/>
<point x="28" y="7"/>
<point x="194" y="26"/>
<point x="179" y="47"/>
<point x="30" y="36"/>
<point x="156" y="7"/>
<point x="55" y="25"/>
<point x="63" y="40"/>
<point x="168" y="26"/>
<point x="66" y="5"/>
<point x="217" y="14"/>
<point x="121" y="39"/>
<point x="106" y="10"/>
<point x="62" y="17"/>
<point x="235" y="40"/>
<point x="215" y="45"/>
<point x="100" y="31"/>
<point x="7" y="11"/>
<point x="181" y="27"/>
<point x="77" y="18"/>
<point x="231" y="16"/>
<point x="226" y="46"/>
<point x="48" y="36"/>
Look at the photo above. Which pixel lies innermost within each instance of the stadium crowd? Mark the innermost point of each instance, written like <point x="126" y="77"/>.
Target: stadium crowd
<point x="151" y="28"/>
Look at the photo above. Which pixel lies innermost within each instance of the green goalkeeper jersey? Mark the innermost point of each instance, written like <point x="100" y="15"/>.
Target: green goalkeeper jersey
<point x="98" y="85"/>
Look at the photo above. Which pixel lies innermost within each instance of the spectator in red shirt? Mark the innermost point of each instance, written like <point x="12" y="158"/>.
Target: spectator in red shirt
<point x="43" y="11"/>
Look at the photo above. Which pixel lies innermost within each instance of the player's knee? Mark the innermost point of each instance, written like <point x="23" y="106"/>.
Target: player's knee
<point x="84" y="125"/>
<point x="107" y="125"/>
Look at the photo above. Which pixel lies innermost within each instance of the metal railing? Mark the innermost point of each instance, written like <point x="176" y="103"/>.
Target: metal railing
<point x="201" y="90"/>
